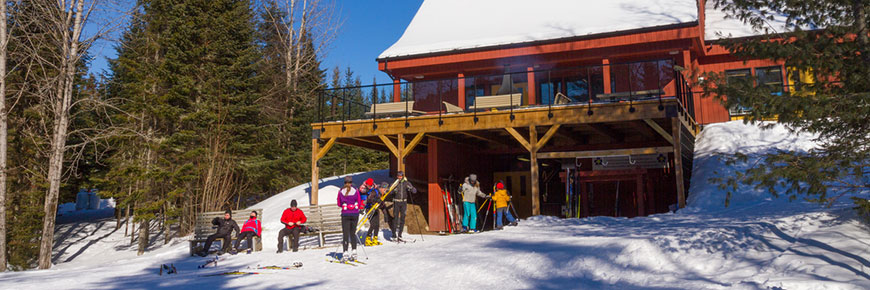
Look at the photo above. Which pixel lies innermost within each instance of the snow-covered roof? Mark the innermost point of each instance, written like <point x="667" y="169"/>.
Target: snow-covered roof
<point x="718" y="25"/>
<point x="447" y="25"/>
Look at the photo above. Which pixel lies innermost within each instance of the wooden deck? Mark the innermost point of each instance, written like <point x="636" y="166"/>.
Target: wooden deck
<point x="612" y="128"/>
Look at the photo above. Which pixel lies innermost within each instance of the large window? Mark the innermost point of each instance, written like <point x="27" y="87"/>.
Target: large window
<point x="771" y="77"/>
<point x="734" y="77"/>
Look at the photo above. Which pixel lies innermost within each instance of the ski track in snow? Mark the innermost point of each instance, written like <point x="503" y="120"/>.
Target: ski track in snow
<point x="759" y="242"/>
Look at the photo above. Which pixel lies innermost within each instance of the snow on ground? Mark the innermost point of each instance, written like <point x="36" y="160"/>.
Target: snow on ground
<point x="756" y="243"/>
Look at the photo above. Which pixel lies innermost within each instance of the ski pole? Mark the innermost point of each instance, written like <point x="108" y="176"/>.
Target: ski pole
<point x="363" y="246"/>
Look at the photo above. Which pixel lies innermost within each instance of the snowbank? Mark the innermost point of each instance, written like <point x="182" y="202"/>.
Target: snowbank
<point x="729" y="138"/>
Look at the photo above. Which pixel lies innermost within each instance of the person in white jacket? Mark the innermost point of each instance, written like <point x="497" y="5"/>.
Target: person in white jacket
<point x="470" y="192"/>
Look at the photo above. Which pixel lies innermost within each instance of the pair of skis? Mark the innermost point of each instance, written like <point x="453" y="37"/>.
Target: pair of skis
<point x="295" y="266"/>
<point x="354" y="263"/>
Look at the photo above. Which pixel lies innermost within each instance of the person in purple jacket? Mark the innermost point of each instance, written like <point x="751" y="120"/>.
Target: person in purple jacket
<point x="350" y="203"/>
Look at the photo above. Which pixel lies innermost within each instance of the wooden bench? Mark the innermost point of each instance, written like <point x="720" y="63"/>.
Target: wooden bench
<point x="498" y="101"/>
<point x="451" y="108"/>
<point x="395" y="108"/>
<point x="561" y="99"/>
<point x="323" y="219"/>
<point x="203" y="228"/>
<point x="645" y="93"/>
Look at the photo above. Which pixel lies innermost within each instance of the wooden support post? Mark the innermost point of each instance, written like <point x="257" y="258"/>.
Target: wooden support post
<point x="401" y="154"/>
<point x="536" y="201"/>
<point x="532" y="88"/>
<point x="605" y="73"/>
<point x="650" y="195"/>
<point x="397" y="90"/>
<point x="678" y="161"/>
<point x="315" y="184"/>
<point x="641" y="211"/>
<point x="584" y="199"/>
<point x="461" y="100"/>
<point x="436" y="203"/>
<point x="316" y="154"/>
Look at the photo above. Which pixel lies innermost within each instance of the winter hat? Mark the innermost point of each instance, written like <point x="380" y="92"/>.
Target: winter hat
<point x="385" y="185"/>
<point x="400" y="173"/>
<point x="472" y="178"/>
<point x="370" y="182"/>
<point x="348" y="179"/>
<point x="229" y="212"/>
<point x="293" y="203"/>
<point x="499" y="186"/>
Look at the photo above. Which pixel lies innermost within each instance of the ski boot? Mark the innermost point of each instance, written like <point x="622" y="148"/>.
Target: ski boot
<point x="369" y="242"/>
<point x="376" y="242"/>
<point x="513" y="224"/>
<point x="344" y="257"/>
<point x="353" y="255"/>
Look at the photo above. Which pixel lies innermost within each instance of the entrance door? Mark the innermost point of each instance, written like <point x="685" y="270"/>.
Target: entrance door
<point x="519" y="186"/>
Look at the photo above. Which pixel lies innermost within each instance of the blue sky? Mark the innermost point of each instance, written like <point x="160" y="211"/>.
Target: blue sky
<point x="368" y="28"/>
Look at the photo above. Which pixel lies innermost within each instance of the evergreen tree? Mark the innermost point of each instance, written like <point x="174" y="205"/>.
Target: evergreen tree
<point x="827" y="40"/>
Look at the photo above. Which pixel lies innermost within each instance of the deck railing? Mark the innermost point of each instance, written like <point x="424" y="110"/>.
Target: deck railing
<point x="583" y="85"/>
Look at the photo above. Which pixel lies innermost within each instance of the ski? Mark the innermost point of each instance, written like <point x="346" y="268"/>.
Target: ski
<point x="210" y="262"/>
<point x="295" y="266"/>
<point x="358" y="262"/>
<point x="341" y="262"/>
<point x="232" y="273"/>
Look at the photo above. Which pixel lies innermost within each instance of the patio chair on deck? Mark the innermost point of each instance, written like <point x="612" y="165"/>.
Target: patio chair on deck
<point x="394" y="109"/>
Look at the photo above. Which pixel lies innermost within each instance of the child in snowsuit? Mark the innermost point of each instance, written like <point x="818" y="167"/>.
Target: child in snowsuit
<point x="470" y="192"/>
<point x="350" y="202"/>
<point x="501" y="199"/>
<point x="250" y="229"/>
<point x="375" y="220"/>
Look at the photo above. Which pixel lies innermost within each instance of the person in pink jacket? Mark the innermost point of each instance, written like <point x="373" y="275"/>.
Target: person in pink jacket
<point x="250" y="229"/>
<point x="350" y="203"/>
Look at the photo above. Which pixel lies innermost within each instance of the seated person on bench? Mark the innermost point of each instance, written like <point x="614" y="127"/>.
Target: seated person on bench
<point x="293" y="219"/>
<point x="225" y="227"/>
<point x="250" y="229"/>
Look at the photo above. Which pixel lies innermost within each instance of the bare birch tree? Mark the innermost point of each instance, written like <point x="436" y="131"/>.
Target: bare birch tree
<point x="313" y="19"/>
<point x="4" y="41"/>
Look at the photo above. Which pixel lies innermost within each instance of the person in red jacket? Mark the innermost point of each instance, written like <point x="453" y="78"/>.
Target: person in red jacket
<point x="250" y="229"/>
<point x="293" y="220"/>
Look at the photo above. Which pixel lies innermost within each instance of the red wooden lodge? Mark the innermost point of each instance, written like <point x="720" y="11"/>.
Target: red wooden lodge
<point x="583" y="108"/>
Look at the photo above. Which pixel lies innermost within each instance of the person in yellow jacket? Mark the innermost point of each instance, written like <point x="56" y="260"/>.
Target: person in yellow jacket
<point x="501" y="199"/>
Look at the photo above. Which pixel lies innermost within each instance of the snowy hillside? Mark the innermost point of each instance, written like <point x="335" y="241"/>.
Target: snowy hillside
<point x="757" y="243"/>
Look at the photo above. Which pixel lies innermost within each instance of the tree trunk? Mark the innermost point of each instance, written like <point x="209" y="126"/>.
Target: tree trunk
<point x="3" y="134"/>
<point x="62" y="103"/>
<point x="143" y="237"/>
<point x="127" y="221"/>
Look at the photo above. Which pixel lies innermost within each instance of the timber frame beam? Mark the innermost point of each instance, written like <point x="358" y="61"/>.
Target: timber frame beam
<point x="316" y="154"/>
<point x="602" y="153"/>
<point x="401" y="150"/>
<point x="655" y="126"/>
<point x="533" y="144"/>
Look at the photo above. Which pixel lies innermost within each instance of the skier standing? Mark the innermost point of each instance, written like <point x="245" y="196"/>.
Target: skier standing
<point x="375" y="220"/>
<point x="470" y="192"/>
<point x="250" y="229"/>
<point x="401" y="194"/>
<point x="501" y="199"/>
<point x="365" y="188"/>
<point x="293" y="219"/>
<point x="225" y="228"/>
<point x="350" y="203"/>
